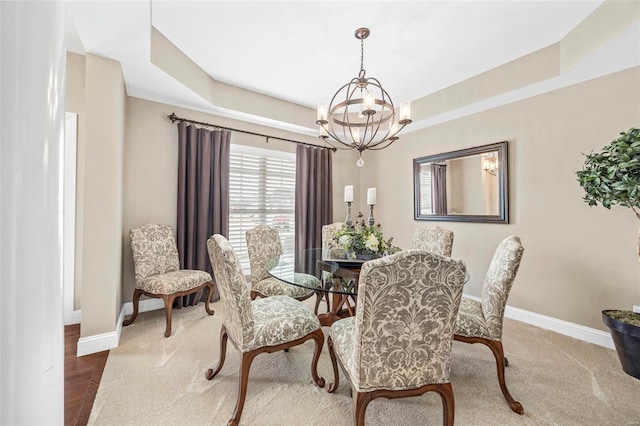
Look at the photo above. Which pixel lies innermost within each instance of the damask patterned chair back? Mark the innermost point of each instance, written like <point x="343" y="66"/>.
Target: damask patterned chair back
<point x="328" y="231"/>
<point x="498" y="281"/>
<point x="263" y="246"/>
<point x="435" y="240"/>
<point x="233" y="290"/>
<point x="405" y="320"/>
<point x="154" y="250"/>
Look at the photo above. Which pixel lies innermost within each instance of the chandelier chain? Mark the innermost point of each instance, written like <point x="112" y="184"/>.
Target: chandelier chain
<point x="362" y="71"/>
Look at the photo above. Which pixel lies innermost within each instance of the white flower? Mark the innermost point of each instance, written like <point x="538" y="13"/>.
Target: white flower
<point x="345" y="241"/>
<point x="372" y="243"/>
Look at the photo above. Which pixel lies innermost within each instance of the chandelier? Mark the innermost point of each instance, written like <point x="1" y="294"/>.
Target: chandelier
<point x="361" y="114"/>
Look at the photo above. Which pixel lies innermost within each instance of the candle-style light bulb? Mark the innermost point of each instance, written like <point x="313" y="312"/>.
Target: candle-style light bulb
<point x="368" y="107"/>
<point x="322" y="113"/>
<point x="355" y="134"/>
<point x="405" y="113"/>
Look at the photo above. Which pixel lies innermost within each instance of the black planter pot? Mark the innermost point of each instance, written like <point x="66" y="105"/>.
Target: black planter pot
<point x="626" y="338"/>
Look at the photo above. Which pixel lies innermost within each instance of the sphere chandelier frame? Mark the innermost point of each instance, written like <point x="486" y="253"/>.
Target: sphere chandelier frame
<point x="361" y="114"/>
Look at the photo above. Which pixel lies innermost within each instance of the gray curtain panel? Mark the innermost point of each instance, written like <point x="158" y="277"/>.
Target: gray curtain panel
<point x="203" y="197"/>
<point x="439" y="185"/>
<point x="314" y="202"/>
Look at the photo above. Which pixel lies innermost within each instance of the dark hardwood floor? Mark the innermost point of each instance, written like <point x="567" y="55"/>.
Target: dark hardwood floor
<point x="81" y="378"/>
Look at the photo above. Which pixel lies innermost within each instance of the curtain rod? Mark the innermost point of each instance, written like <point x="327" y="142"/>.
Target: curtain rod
<point x="173" y="117"/>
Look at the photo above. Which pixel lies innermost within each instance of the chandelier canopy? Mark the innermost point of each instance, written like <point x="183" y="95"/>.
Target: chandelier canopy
<point x="361" y="114"/>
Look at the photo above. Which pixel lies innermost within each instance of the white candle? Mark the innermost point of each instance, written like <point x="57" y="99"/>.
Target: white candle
<point x="371" y="196"/>
<point x="348" y="194"/>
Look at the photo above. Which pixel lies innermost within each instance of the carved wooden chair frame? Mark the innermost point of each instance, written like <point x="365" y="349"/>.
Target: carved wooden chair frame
<point x="362" y="399"/>
<point x="247" y="359"/>
<point x="168" y="303"/>
<point x="501" y="363"/>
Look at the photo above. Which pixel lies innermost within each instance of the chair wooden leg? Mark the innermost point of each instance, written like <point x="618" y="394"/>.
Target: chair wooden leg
<point x="334" y="363"/>
<point x="318" y="338"/>
<point x="209" y="287"/>
<point x="211" y="373"/>
<point x="168" y="307"/>
<point x="136" y="301"/>
<point x="360" y="402"/>
<point x="448" y="403"/>
<point x="245" y="366"/>
<point x="254" y="295"/>
<point x="498" y="353"/>
<point x="318" y="299"/>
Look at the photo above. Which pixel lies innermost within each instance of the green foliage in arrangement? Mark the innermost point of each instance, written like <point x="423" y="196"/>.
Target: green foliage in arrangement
<point x="362" y="238"/>
<point x="612" y="176"/>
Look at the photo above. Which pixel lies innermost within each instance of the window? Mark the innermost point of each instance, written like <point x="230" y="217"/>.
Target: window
<point x="261" y="192"/>
<point x="425" y="189"/>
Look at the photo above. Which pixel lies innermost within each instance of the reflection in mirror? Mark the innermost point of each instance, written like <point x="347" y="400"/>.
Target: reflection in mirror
<point x="466" y="185"/>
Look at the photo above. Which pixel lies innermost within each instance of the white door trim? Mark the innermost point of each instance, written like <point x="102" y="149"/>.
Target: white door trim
<point x="69" y="217"/>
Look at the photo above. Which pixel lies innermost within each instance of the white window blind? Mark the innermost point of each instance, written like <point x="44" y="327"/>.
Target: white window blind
<point x="261" y="192"/>
<point x="425" y="189"/>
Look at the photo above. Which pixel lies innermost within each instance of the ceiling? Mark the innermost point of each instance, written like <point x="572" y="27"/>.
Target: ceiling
<point x="304" y="51"/>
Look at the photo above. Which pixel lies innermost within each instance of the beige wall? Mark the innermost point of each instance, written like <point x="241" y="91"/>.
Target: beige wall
<point x="578" y="260"/>
<point x="151" y="167"/>
<point x="74" y="102"/>
<point x="105" y="110"/>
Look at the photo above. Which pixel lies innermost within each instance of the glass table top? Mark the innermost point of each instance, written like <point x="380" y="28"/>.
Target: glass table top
<point x="336" y="275"/>
<point x="345" y="273"/>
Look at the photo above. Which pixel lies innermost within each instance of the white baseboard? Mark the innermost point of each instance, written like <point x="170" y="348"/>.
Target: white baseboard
<point x="145" y="305"/>
<point x="105" y="341"/>
<point x="577" y="331"/>
<point x="100" y="342"/>
<point x="74" y="318"/>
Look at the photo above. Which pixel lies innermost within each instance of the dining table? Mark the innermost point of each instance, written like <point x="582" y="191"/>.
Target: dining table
<point x="338" y="280"/>
<point x="338" y="283"/>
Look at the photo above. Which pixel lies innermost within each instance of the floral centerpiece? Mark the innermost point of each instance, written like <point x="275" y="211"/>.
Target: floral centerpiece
<point x="361" y="241"/>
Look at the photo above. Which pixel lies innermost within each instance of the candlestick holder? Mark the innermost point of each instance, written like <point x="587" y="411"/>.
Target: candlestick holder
<point x="371" y="219"/>
<point x="348" y="221"/>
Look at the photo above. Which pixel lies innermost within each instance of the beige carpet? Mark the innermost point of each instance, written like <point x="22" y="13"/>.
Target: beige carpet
<point x="151" y="380"/>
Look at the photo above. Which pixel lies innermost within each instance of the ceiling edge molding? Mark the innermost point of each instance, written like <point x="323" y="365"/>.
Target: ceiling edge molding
<point x="604" y="25"/>
<point x="607" y="60"/>
<point x="223" y="97"/>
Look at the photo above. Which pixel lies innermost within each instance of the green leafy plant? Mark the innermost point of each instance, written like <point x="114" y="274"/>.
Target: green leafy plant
<point x="612" y="176"/>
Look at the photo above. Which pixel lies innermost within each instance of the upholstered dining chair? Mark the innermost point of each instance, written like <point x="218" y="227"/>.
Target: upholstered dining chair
<point x="481" y="321"/>
<point x="399" y="342"/>
<point x="263" y="325"/>
<point x="158" y="273"/>
<point x="436" y="240"/>
<point x="264" y="249"/>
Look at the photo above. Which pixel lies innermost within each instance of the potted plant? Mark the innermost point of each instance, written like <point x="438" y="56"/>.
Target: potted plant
<point x="612" y="177"/>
